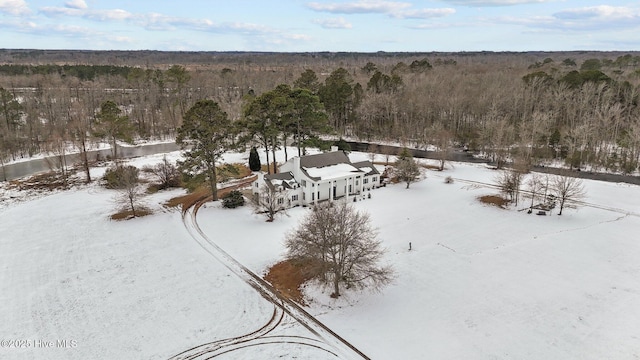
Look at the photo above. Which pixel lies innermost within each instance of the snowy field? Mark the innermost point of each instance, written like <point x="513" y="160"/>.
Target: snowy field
<point x="479" y="283"/>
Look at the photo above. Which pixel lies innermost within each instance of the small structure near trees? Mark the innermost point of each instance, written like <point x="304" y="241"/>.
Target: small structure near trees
<point x="341" y="244"/>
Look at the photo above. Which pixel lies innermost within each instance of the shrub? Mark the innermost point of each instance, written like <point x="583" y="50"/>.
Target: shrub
<point x="117" y="177"/>
<point x="233" y="199"/>
<point x="166" y="172"/>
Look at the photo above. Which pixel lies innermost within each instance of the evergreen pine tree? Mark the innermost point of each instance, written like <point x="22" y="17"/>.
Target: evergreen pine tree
<point x="254" y="160"/>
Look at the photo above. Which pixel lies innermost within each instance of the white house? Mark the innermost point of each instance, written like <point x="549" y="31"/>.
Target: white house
<point x="314" y="178"/>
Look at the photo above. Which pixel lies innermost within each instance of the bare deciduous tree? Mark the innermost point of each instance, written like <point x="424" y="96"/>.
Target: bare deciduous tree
<point x="535" y="185"/>
<point x="126" y="180"/>
<point x="130" y="187"/>
<point x="166" y="172"/>
<point x="509" y="182"/>
<point x="270" y="201"/>
<point x="372" y="150"/>
<point x="342" y="242"/>
<point x="442" y="139"/>
<point x="567" y="188"/>
<point x="406" y="168"/>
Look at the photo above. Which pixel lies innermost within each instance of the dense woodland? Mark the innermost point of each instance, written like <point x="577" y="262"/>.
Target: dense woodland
<point x="579" y="107"/>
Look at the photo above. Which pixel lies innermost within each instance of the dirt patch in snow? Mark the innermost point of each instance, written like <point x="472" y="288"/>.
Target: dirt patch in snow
<point x="288" y="277"/>
<point x="494" y="200"/>
<point x="127" y="214"/>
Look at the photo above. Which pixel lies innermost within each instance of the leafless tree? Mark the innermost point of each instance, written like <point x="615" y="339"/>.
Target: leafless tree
<point x="372" y="150"/>
<point x="442" y="139"/>
<point x="567" y="188"/>
<point x="166" y="172"/>
<point x="342" y="242"/>
<point x="58" y="147"/>
<point x="509" y="182"/>
<point x="270" y="201"/>
<point x="130" y="188"/>
<point x="406" y="168"/>
<point x="535" y="185"/>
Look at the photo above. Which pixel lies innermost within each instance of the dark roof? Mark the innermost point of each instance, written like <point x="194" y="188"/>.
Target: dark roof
<point x="281" y="179"/>
<point x="367" y="163"/>
<point x="280" y="176"/>
<point x="325" y="159"/>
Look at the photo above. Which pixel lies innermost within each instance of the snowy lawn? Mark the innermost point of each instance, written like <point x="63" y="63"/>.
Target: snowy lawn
<point x="479" y="283"/>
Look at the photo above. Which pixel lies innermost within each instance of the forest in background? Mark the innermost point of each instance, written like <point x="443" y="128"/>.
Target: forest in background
<point x="534" y="107"/>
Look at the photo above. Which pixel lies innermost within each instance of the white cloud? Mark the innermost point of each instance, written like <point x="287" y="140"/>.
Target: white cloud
<point x="100" y="15"/>
<point x="361" y="7"/>
<point x="76" y="4"/>
<point x="399" y="10"/>
<point x="594" y="18"/>
<point x="424" y="13"/>
<point x="14" y="7"/>
<point x="334" y="23"/>
<point x="598" y="12"/>
<point x="108" y="15"/>
<point x="496" y="2"/>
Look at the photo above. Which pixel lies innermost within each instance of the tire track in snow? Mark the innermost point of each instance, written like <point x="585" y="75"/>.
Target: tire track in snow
<point x="327" y="340"/>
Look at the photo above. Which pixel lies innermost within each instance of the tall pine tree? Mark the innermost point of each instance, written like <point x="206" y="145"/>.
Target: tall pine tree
<point x="254" y="160"/>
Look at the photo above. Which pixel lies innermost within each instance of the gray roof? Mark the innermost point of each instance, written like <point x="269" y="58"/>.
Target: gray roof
<point x="281" y="179"/>
<point x="325" y="159"/>
<point x="367" y="163"/>
<point x="280" y="176"/>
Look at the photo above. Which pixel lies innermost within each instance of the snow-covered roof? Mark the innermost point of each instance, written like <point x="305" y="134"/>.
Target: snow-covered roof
<point x="284" y="179"/>
<point x="332" y="171"/>
<point x="366" y="167"/>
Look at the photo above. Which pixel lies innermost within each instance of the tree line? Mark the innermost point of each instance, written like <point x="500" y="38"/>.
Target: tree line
<point x="583" y="111"/>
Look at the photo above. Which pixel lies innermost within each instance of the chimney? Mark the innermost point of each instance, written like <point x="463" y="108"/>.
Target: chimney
<point x="296" y="168"/>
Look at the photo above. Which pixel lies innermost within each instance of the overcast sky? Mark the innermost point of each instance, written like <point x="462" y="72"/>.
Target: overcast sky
<point x="337" y="25"/>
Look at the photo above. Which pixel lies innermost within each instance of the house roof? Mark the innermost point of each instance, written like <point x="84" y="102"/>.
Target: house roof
<point x="367" y="167"/>
<point x="325" y="159"/>
<point x="329" y="172"/>
<point x="334" y="165"/>
<point x="284" y="179"/>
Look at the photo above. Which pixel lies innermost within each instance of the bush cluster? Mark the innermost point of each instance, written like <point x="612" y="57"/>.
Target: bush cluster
<point x="117" y="177"/>
<point x="233" y="200"/>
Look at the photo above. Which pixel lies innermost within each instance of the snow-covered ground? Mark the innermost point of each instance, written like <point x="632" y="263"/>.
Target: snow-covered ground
<point x="479" y="283"/>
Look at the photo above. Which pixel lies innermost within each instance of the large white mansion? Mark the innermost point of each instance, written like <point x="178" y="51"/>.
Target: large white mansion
<point x="311" y="179"/>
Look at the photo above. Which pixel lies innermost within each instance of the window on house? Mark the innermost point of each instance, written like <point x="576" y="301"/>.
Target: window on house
<point x="313" y="196"/>
<point x="365" y="181"/>
<point x="357" y="182"/>
<point x="374" y="179"/>
<point x="304" y="183"/>
<point x="280" y="201"/>
<point x="294" y="198"/>
<point x="256" y="184"/>
<point x="304" y="196"/>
